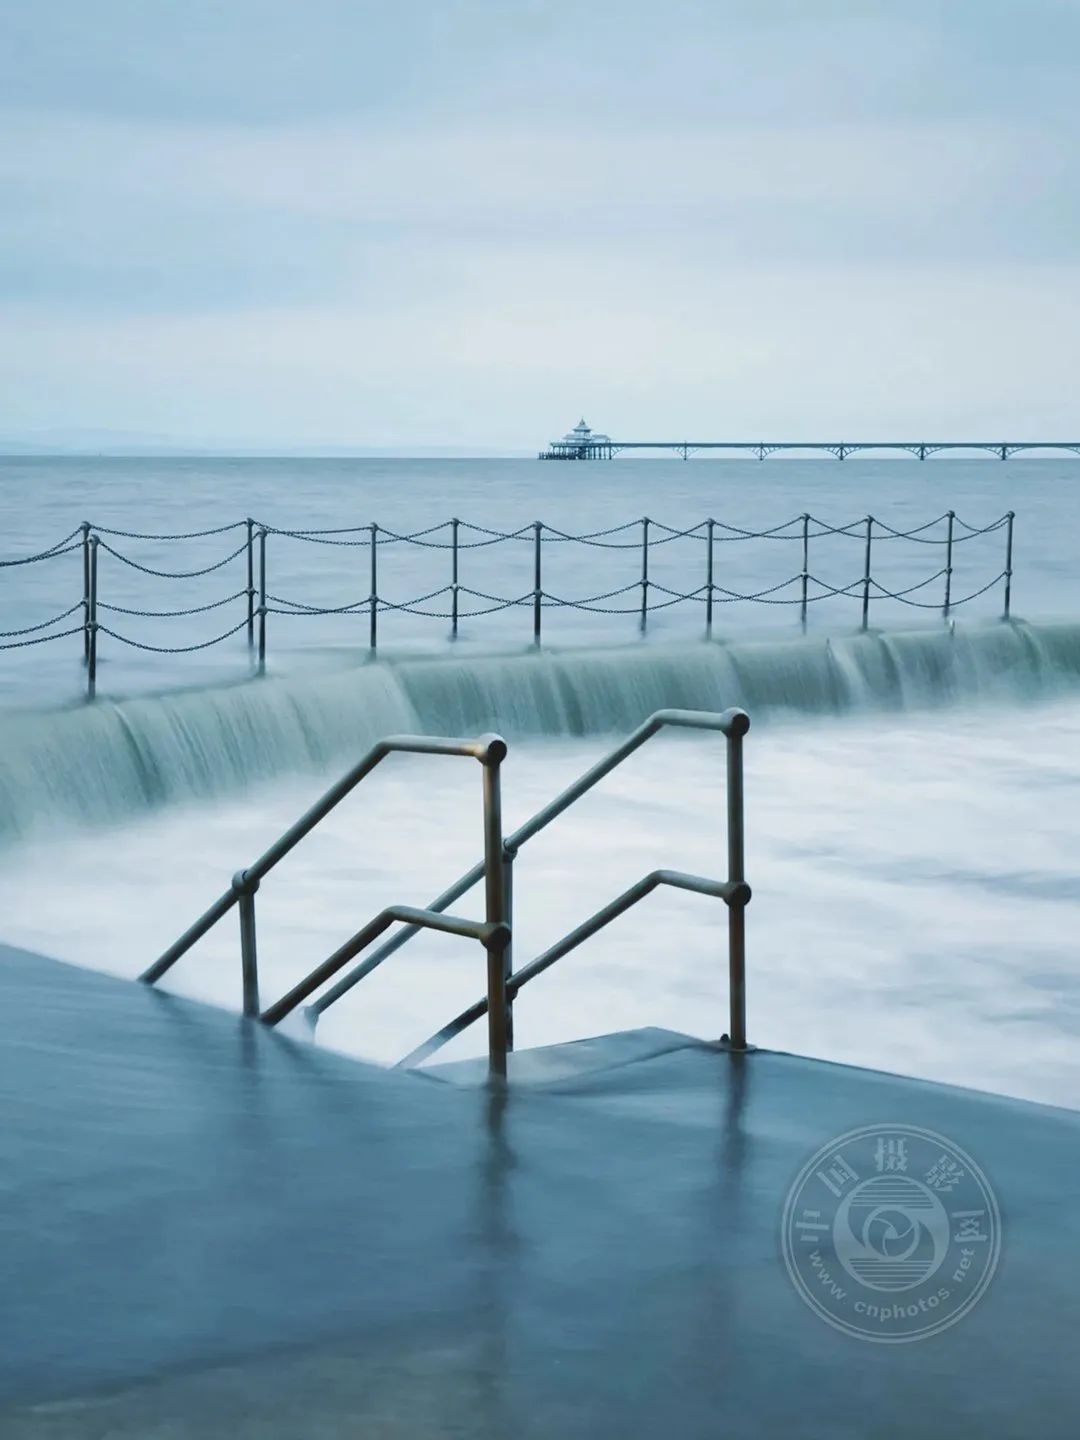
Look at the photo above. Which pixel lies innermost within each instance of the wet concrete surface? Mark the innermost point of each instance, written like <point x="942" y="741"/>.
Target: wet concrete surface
<point x="208" y="1229"/>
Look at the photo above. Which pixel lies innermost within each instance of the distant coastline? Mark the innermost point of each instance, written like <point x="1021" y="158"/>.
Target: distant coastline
<point x="122" y="447"/>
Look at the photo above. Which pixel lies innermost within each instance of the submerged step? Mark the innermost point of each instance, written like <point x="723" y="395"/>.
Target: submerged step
<point x="554" y="1064"/>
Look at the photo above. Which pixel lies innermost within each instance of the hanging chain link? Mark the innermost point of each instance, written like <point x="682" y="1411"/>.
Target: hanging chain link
<point x="88" y="539"/>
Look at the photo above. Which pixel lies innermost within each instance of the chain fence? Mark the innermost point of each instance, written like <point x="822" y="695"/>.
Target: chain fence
<point x="456" y="603"/>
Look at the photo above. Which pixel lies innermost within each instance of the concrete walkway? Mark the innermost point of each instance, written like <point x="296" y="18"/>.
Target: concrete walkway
<point x="210" y="1230"/>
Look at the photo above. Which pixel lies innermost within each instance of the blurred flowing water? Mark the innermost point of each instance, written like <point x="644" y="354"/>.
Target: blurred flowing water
<point x="912" y="793"/>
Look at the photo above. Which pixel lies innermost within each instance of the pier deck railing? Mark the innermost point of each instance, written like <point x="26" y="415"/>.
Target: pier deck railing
<point x="603" y="447"/>
<point x="94" y="618"/>
<point x="495" y="931"/>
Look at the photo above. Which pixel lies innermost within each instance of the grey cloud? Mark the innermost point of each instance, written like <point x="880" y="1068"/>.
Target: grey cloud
<point x="120" y="215"/>
<point x="615" y="61"/>
<point x="320" y="209"/>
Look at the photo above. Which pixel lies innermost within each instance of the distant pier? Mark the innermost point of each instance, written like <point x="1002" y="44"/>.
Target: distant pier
<point x="583" y="443"/>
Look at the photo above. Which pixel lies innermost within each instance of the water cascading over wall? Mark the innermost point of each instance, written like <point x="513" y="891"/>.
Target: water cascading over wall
<point x="99" y="763"/>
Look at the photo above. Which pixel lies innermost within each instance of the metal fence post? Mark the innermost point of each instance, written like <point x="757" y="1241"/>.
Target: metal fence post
<point x="262" y="602"/>
<point x="248" y="954"/>
<point x="508" y="949"/>
<point x="644" y="572"/>
<point x="866" y="575"/>
<point x="538" y="593"/>
<point x="709" y="578"/>
<point x="85" y="528"/>
<point x="91" y="654"/>
<point x="948" y="565"/>
<point x="374" y="601"/>
<point x="1008" y="564"/>
<point x="250" y="583"/>
<point x="736" y="848"/>
<point x="805" y="566"/>
<point x="454" y="579"/>
<point x="495" y="910"/>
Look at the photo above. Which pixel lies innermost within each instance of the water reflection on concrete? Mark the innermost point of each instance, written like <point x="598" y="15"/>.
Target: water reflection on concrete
<point x="209" y="1229"/>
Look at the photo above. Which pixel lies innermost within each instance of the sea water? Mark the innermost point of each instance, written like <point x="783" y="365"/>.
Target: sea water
<point x="911" y="792"/>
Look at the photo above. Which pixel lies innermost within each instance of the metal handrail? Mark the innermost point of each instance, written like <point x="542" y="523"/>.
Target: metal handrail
<point x="733" y="724"/>
<point x="480" y="930"/>
<point x="493" y="932"/>
<point x="733" y="893"/>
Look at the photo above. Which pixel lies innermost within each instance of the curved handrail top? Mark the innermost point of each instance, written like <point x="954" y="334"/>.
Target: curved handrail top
<point x="732" y="892"/>
<point x="733" y="723"/>
<point x="487" y="749"/>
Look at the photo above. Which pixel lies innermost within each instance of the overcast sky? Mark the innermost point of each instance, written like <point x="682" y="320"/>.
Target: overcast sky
<point x="467" y="222"/>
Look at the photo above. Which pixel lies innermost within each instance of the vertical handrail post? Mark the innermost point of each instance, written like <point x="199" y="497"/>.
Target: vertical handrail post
<point x="1008" y="564"/>
<point x="454" y="578"/>
<point x="508" y="948"/>
<point x="92" y="624"/>
<point x="538" y="592"/>
<point x="373" y="603"/>
<point x="248" y="953"/>
<point x="495" y="911"/>
<point x="805" y="567"/>
<point x="250" y="547"/>
<point x="709" y="578"/>
<point x="736" y="848"/>
<point x="866" y="575"/>
<point x="948" y="565"/>
<point x="262" y="601"/>
<point x="85" y="528"/>
<point x="644" y="572"/>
